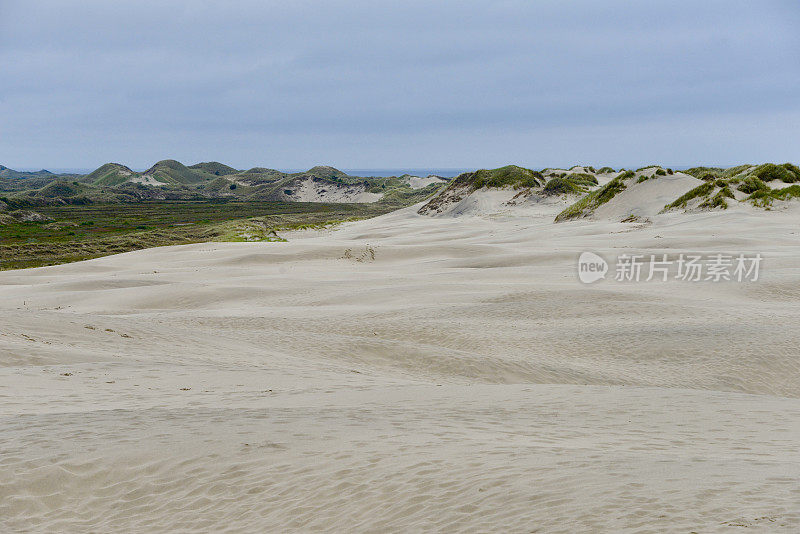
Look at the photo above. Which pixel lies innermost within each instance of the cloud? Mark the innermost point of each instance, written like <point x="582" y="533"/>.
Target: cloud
<point x="283" y="84"/>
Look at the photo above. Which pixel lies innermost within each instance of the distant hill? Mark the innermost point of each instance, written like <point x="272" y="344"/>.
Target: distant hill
<point x="169" y="171"/>
<point x="213" y="167"/>
<point x="172" y="180"/>
<point x="5" y="172"/>
<point x="11" y="180"/>
<point x="322" y="171"/>
<point x="109" y="174"/>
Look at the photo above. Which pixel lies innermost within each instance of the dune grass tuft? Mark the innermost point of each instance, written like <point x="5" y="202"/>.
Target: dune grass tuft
<point x="764" y="198"/>
<point x="702" y="190"/>
<point x="571" y="184"/>
<point x="586" y="205"/>
<point x="786" y="173"/>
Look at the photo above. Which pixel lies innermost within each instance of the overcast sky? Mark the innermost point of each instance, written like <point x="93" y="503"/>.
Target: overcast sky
<point x="400" y="84"/>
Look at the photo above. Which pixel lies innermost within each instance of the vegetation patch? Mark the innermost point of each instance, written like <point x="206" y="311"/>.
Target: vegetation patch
<point x="508" y="176"/>
<point x="764" y="198"/>
<point x="751" y="184"/>
<point x="586" y="205"/>
<point x="110" y="174"/>
<point x="704" y="173"/>
<point x="718" y="201"/>
<point x="703" y="190"/>
<point x="68" y="233"/>
<point x="786" y="173"/>
<point x="576" y="183"/>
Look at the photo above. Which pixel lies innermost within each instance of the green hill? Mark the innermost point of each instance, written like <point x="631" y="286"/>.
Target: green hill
<point x="5" y="172"/>
<point x="11" y="180"/>
<point x="110" y="174"/>
<point x="169" y="171"/>
<point x="323" y="171"/>
<point x="213" y="167"/>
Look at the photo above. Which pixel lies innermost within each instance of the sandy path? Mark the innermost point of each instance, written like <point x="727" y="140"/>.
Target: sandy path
<point x="463" y="380"/>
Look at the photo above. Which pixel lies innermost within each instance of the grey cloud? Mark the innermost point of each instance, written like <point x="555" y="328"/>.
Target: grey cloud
<point x="363" y="82"/>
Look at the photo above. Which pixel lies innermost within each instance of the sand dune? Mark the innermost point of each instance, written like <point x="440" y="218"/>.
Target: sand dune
<point x="311" y="190"/>
<point x="647" y="198"/>
<point x="407" y="373"/>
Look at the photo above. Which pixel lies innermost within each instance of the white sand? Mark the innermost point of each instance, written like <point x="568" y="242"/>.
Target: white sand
<point x="145" y="179"/>
<point x="318" y="191"/>
<point x="462" y="381"/>
<point x="648" y="198"/>
<point x="418" y="182"/>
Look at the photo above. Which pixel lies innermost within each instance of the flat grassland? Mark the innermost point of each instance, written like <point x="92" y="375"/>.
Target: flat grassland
<point x="79" y="232"/>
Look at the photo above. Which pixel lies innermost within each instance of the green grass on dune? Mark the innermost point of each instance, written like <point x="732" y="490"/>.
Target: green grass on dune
<point x="110" y="174"/>
<point x="213" y="167"/>
<point x="719" y="200"/>
<point x="508" y="176"/>
<point x="786" y="173"/>
<point x="702" y="190"/>
<point x="574" y="183"/>
<point x="586" y="205"/>
<point x="764" y="198"/>
<point x="749" y="179"/>
<point x="169" y="171"/>
<point x="751" y="184"/>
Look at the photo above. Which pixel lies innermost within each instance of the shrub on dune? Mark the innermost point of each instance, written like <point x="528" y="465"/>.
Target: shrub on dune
<point x="786" y="173"/>
<point x="586" y="205"/>
<point x="702" y="190"/>
<point x="573" y="183"/>
<point x="508" y="176"/>
<point x="751" y="184"/>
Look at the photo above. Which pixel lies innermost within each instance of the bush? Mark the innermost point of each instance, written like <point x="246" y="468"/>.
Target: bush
<point x="702" y="190"/>
<point x="764" y="198"/>
<point x="792" y="168"/>
<point x="717" y="201"/>
<point x="661" y="172"/>
<point x="591" y="201"/>
<point x="508" y="176"/>
<point x="232" y="187"/>
<point x="751" y="184"/>
<point x="786" y="173"/>
<point x="699" y="172"/>
<point x="558" y="185"/>
<point x="574" y="183"/>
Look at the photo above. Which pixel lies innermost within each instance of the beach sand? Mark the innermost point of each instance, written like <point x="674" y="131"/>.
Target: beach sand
<point x="407" y="373"/>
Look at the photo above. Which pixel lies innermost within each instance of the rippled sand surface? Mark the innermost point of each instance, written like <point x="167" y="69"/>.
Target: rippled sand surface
<point x="406" y="374"/>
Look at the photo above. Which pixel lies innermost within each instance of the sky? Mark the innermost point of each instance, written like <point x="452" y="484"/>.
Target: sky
<point x="407" y="84"/>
